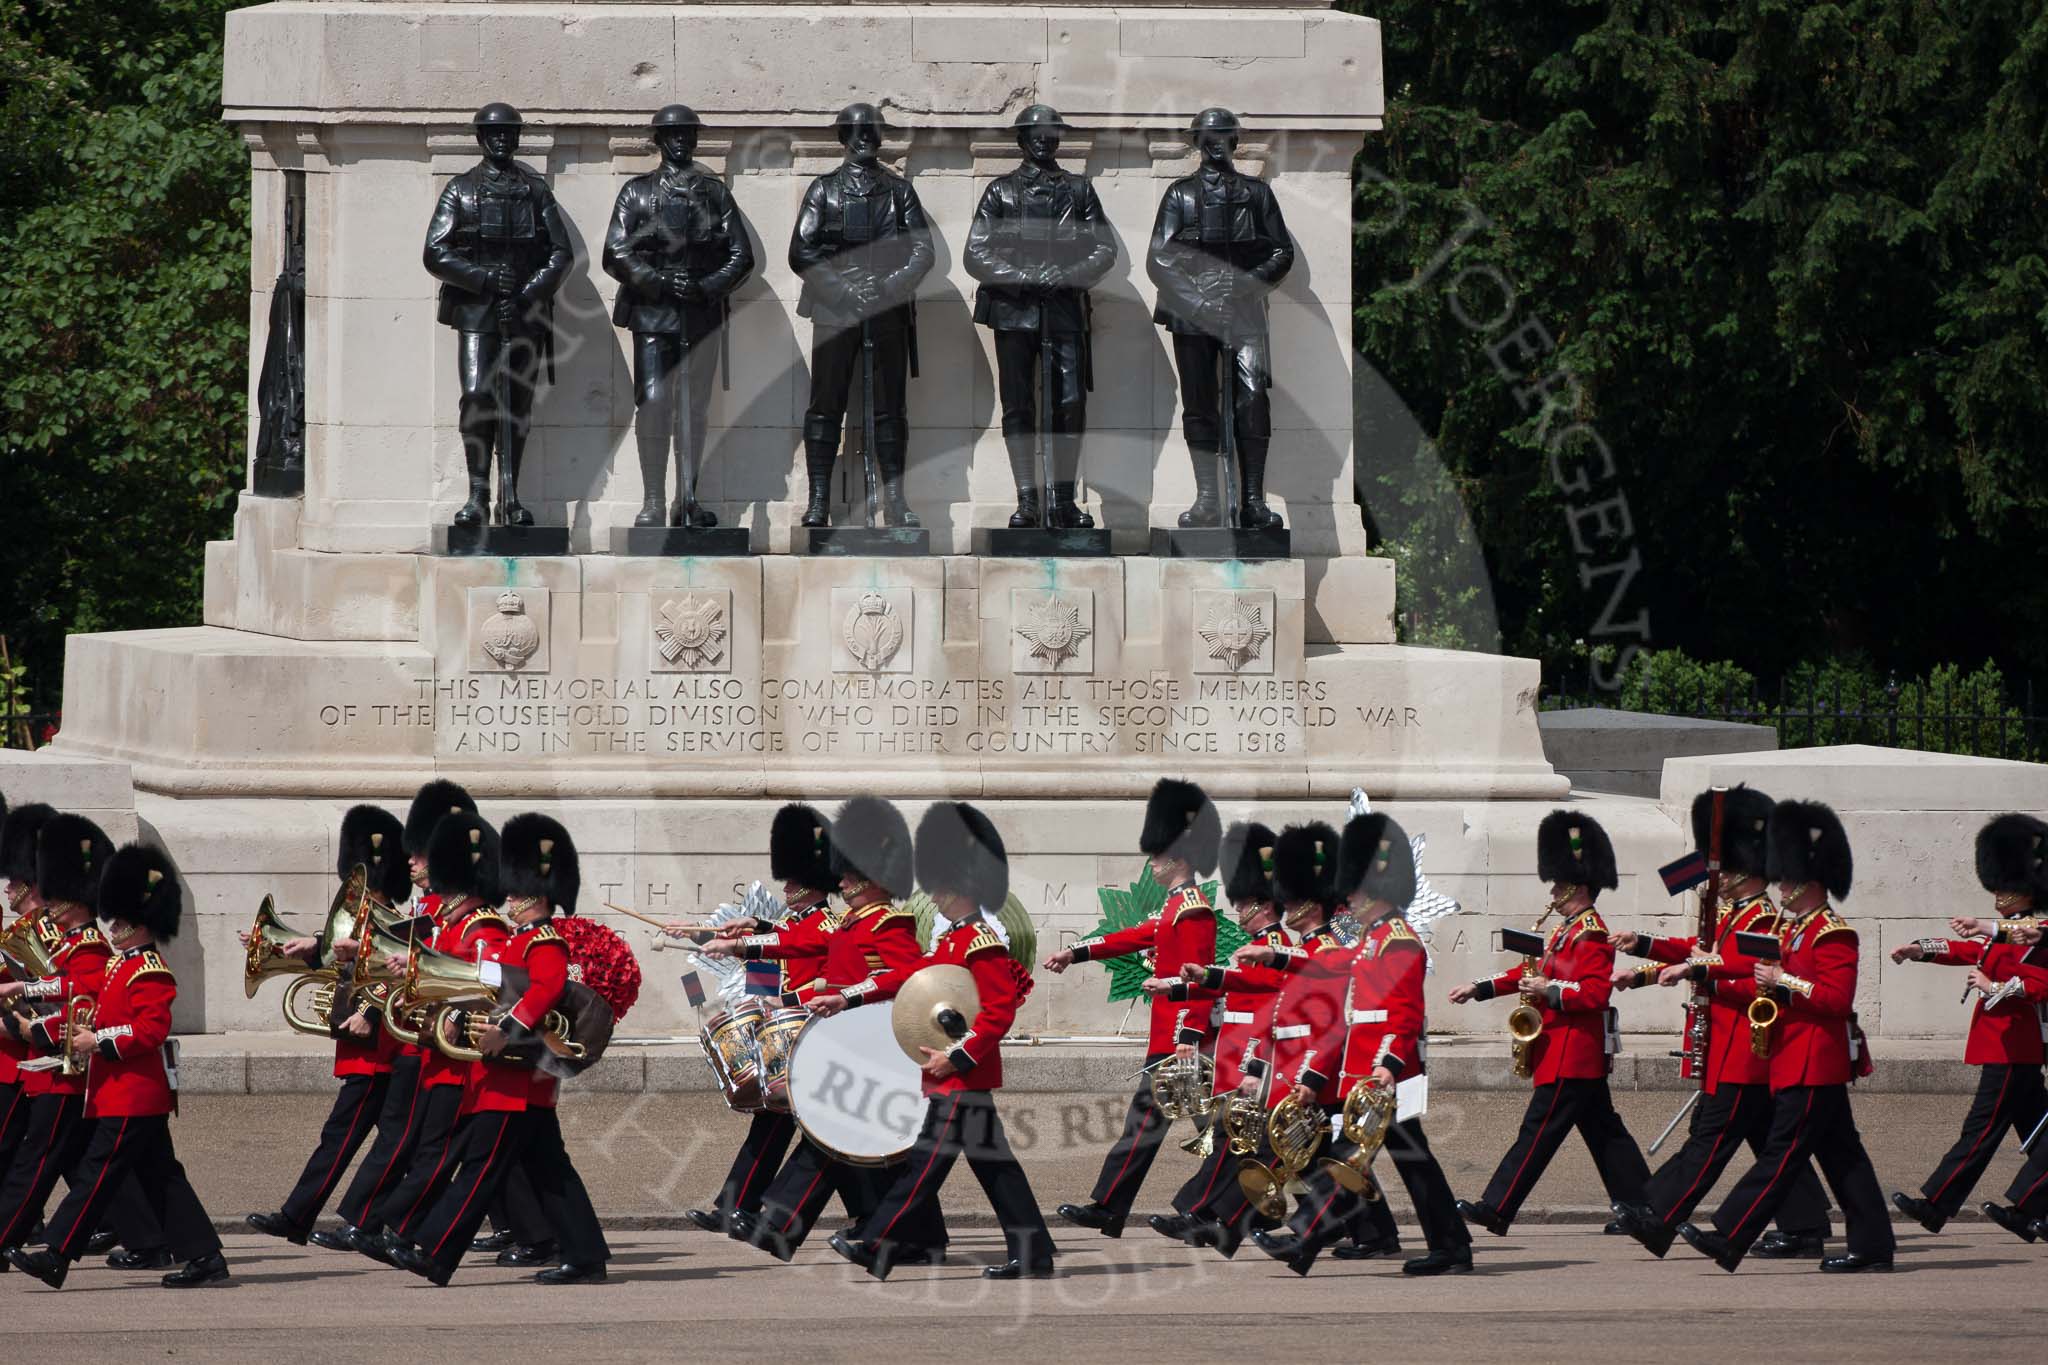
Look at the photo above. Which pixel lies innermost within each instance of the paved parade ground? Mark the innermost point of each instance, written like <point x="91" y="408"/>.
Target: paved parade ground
<point x="1545" y="1293"/>
<point x="1552" y="1290"/>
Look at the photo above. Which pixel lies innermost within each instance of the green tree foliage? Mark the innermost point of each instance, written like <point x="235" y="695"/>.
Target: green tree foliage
<point x="1792" y="257"/>
<point x="124" y="297"/>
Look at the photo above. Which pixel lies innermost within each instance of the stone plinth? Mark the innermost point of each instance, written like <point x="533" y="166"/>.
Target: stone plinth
<point x="1603" y="750"/>
<point x="369" y="102"/>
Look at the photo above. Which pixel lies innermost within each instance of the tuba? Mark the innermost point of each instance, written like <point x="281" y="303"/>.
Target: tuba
<point x="1295" y="1132"/>
<point x="266" y="955"/>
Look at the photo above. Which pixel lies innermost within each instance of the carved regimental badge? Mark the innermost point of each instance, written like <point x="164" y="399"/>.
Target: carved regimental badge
<point x="1235" y="630"/>
<point x="510" y="637"/>
<point x="872" y="631"/>
<point x="1055" y="631"/>
<point x="690" y="631"/>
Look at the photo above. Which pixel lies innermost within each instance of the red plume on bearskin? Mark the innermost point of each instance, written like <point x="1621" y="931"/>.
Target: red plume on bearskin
<point x="601" y="960"/>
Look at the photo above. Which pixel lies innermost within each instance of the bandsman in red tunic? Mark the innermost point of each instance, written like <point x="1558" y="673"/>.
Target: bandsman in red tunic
<point x="1816" y="1051"/>
<point x="400" y="1119"/>
<point x="131" y="1090"/>
<point x="463" y="870"/>
<point x="371" y="838"/>
<point x="18" y="874"/>
<point x="71" y="854"/>
<point x="1734" y="1107"/>
<point x="2007" y="992"/>
<point x="1242" y="1023"/>
<point x="800" y="857"/>
<point x="1180" y="836"/>
<point x="869" y="947"/>
<point x="511" y="1122"/>
<point x="1570" y="987"/>
<point x="1380" y="1033"/>
<point x="962" y="865"/>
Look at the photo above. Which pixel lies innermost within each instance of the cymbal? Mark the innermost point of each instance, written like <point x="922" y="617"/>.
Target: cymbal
<point x="933" y="998"/>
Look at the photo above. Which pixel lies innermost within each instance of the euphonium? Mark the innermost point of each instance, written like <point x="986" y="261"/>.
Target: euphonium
<point x="25" y="944"/>
<point x="1763" y="1012"/>
<point x="309" y="1003"/>
<point x="266" y="955"/>
<point x="455" y="1029"/>
<point x="1295" y="1133"/>
<point x="346" y="914"/>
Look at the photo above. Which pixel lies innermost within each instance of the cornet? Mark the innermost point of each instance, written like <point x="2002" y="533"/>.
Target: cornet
<point x="78" y="1012"/>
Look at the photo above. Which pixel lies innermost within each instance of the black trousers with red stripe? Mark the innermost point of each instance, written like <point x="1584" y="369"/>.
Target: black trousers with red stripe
<point x="1721" y="1123"/>
<point x="2029" y="1190"/>
<point x="1810" y="1121"/>
<point x="962" y="1124"/>
<point x="760" y="1156"/>
<point x="797" y="1197"/>
<point x="391" y="1151"/>
<point x="430" y="1167"/>
<point x="2007" y="1097"/>
<point x="52" y="1145"/>
<point x="1131" y="1156"/>
<point x="1554" y="1111"/>
<point x="1218" y="1172"/>
<point x="494" y="1147"/>
<point x="1329" y="1210"/>
<point x="349" y="1123"/>
<point x="118" y="1150"/>
<point x="13" y="1122"/>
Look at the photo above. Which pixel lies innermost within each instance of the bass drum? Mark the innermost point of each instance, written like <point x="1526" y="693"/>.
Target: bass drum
<point x="852" y="1091"/>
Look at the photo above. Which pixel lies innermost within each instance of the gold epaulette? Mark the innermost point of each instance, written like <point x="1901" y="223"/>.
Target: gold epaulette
<point x="152" y="962"/>
<point x="1190" y="901"/>
<point x="1831" y="923"/>
<point x="1588" y="922"/>
<point x="984" y="939"/>
<point x="545" y="932"/>
<point x="1399" y="931"/>
<point x="486" y="913"/>
<point x="882" y="912"/>
<point x="88" y="935"/>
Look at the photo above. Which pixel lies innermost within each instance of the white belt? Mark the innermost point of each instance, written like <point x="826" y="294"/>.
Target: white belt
<point x="1293" y="1031"/>
<point x="1237" y="1016"/>
<point x="1368" y="1016"/>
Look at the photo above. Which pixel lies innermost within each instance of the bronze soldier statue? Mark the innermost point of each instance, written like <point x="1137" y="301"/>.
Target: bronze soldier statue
<point x="499" y="247"/>
<point x="1219" y="247"/>
<point x="861" y="245"/>
<point x="1039" y="242"/>
<point x="678" y="247"/>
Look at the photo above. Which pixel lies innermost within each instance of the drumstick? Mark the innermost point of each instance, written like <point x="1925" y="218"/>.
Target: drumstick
<point x="691" y="931"/>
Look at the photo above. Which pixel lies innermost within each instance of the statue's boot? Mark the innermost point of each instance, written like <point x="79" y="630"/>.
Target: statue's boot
<point x="513" y="513"/>
<point x="653" y="475"/>
<point x="476" y="453"/>
<point x="1023" y="451"/>
<point x="819" y="457"/>
<point x="1251" y="464"/>
<point x="1066" y="463"/>
<point x="688" y="511"/>
<point x="1208" y="505"/>
<point x="891" y="457"/>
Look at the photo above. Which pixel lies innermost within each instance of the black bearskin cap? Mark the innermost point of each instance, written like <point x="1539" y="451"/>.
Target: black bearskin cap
<point x="372" y="839"/>
<point x="800" y="848"/>
<point x="430" y="804"/>
<point x="536" y="857"/>
<point x="1305" y="864"/>
<point x="18" y="842"/>
<point x="1808" y="844"/>
<point x="1181" y="821"/>
<point x="1246" y="859"/>
<point x="1590" y="865"/>
<point x="2012" y="855"/>
<point x="1745" y="819"/>
<point x="1377" y="860"/>
<point x="462" y="858"/>
<point x="871" y="841"/>
<point x="71" y="855"/>
<point x="959" y="851"/>
<point x="141" y="887"/>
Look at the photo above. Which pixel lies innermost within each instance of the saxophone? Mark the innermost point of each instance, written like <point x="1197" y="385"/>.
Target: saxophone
<point x="1525" y="1021"/>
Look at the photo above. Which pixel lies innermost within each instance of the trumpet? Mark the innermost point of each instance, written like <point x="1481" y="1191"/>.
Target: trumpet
<point x="1295" y="1132"/>
<point x="78" y="1012"/>
<point x="1763" y="1012"/>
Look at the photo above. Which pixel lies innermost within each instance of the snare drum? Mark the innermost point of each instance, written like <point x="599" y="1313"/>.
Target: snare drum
<point x="852" y="1091"/>
<point x="728" y="1041"/>
<point x="773" y="1041"/>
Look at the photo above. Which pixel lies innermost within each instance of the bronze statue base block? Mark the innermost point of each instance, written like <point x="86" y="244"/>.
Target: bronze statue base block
<point x="861" y="542"/>
<point x="1038" y="542"/>
<point x="512" y="542"/>
<point x="682" y="542"/>
<point x="1221" y="542"/>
